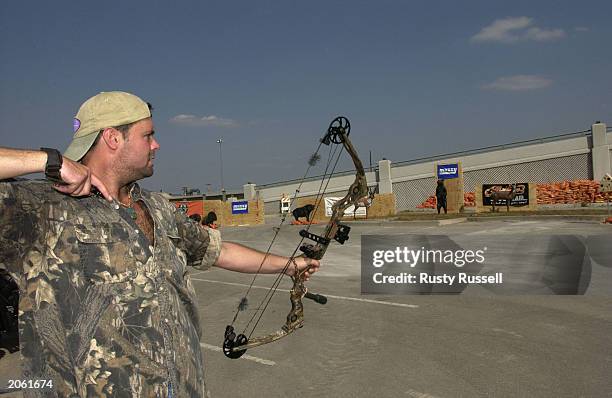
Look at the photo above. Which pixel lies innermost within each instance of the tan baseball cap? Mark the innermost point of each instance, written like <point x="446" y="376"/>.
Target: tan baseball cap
<point x="107" y="109"/>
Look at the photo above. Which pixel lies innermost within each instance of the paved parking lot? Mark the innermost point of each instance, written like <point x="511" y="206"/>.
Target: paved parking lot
<point x="416" y="346"/>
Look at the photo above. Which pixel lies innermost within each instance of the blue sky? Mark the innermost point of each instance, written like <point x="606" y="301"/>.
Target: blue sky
<point x="414" y="78"/>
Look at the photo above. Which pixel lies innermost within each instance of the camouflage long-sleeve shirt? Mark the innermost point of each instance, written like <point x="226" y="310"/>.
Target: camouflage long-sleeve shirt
<point x="103" y="312"/>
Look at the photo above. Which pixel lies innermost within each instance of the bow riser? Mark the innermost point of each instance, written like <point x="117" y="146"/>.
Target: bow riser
<point x="334" y="230"/>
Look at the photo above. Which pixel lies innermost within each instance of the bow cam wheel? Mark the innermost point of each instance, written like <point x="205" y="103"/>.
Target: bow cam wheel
<point x="338" y="126"/>
<point x="231" y="341"/>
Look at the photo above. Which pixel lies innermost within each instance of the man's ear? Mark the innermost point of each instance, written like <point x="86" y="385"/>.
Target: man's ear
<point x="112" y="137"/>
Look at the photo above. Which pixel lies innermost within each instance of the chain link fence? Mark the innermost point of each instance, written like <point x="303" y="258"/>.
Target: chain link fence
<point x="574" y="167"/>
<point x="409" y="194"/>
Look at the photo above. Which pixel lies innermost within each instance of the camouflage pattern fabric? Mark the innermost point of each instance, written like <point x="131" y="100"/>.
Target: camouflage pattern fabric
<point x="102" y="312"/>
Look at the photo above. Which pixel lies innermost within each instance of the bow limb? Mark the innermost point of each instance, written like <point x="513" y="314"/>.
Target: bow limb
<point x="294" y="321"/>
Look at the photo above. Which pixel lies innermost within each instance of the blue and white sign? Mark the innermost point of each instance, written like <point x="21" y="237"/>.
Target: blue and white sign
<point x="241" y="207"/>
<point x="446" y="171"/>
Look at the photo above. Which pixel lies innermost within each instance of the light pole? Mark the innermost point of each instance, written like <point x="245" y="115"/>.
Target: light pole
<point x="220" y="141"/>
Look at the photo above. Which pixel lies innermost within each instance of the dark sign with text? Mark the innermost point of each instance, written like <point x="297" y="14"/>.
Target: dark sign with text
<point x="518" y="194"/>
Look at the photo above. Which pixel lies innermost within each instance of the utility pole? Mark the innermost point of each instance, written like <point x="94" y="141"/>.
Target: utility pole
<point x="220" y="141"/>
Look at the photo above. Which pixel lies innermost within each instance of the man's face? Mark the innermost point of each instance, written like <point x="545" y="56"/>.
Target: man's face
<point x="138" y="150"/>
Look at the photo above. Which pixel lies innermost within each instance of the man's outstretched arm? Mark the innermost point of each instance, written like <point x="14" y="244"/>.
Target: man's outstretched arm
<point x="235" y="257"/>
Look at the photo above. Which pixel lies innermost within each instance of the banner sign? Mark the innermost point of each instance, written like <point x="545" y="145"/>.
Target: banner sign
<point x="190" y="207"/>
<point x="240" y="207"/>
<point x="447" y="171"/>
<point x="350" y="211"/>
<point x="521" y="197"/>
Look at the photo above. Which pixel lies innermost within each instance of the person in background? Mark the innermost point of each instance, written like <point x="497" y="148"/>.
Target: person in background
<point x="210" y="220"/>
<point x="441" y="196"/>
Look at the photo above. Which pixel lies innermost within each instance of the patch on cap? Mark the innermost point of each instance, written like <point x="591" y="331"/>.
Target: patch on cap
<point x="76" y="124"/>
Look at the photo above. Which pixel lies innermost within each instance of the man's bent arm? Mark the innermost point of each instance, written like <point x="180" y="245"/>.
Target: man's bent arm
<point x="18" y="162"/>
<point x="77" y="178"/>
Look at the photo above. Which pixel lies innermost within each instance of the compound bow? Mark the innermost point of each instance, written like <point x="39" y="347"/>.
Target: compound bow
<point x="234" y="346"/>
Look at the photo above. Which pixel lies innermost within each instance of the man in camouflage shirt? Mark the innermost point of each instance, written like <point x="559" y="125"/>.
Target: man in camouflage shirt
<point x="107" y="307"/>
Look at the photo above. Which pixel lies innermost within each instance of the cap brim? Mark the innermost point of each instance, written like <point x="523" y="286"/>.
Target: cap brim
<point x="79" y="146"/>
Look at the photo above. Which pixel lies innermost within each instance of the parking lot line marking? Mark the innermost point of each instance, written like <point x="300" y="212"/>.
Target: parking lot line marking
<point x="416" y="394"/>
<point x="390" y="303"/>
<point x="247" y="357"/>
<point x="503" y="228"/>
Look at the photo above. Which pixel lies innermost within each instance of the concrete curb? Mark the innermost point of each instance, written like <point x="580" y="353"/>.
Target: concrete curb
<point x="550" y="217"/>
<point x="451" y="221"/>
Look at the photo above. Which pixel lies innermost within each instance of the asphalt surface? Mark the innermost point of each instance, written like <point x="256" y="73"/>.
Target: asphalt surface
<point x="420" y="346"/>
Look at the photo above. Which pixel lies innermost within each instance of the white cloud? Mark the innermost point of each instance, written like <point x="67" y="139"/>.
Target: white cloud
<point x="515" y="29"/>
<point x="538" y="34"/>
<point x="502" y="30"/>
<point x="203" y="121"/>
<point x="518" y="83"/>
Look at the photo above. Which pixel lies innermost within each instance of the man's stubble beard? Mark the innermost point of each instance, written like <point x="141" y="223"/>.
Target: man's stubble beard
<point x="130" y="174"/>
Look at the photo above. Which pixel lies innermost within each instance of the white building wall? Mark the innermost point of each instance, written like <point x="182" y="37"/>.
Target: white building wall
<point x="546" y="160"/>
